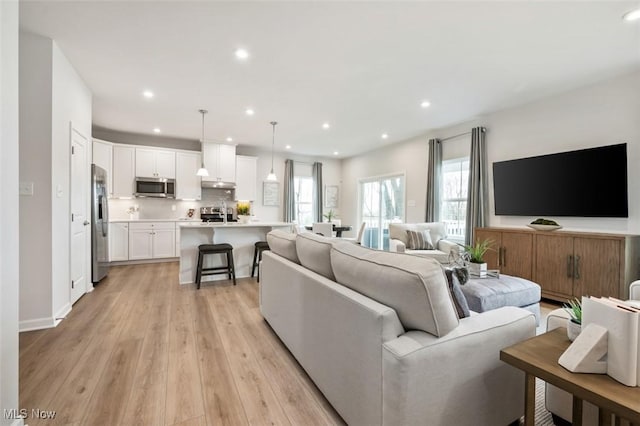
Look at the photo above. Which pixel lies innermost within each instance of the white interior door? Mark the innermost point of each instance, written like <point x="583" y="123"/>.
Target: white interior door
<point x="80" y="231"/>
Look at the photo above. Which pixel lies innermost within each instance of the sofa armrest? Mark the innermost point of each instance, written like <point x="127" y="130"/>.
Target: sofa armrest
<point x="466" y="364"/>
<point x="396" y="246"/>
<point x="449" y="246"/>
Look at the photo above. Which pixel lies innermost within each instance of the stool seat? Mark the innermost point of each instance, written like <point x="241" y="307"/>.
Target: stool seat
<point x="215" y="248"/>
<point x="223" y="248"/>
<point x="260" y="246"/>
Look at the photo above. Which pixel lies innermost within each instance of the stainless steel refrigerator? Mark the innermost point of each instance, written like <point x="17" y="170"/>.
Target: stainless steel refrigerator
<point x="100" y="224"/>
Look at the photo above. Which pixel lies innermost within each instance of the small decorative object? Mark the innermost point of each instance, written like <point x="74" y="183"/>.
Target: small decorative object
<point x="477" y="266"/>
<point x="270" y="194"/>
<point x="587" y="352"/>
<point x="331" y="196"/>
<point x="574" y="324"/>
<point x="329" y="215"/>
<point x="544" y="225"/>
<point x="243" y="208"/>
<point x="134" y="212"/>
<point x="190" y="213"/>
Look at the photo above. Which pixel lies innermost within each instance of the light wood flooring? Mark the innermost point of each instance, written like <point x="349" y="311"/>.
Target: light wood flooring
<point x="142" y="350"/>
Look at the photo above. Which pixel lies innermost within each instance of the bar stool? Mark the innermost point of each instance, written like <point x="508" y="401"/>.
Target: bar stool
<point x="224" y="248"/>
<point x="260" y="246"/>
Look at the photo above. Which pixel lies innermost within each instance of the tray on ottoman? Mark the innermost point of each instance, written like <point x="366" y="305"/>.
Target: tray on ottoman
<point x="485" y="294"/>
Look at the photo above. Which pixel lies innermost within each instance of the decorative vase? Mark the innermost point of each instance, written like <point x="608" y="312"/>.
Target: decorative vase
<point x="243" y="218"/>
<point x="573" y="329"/>
<point x="477" y="269"/>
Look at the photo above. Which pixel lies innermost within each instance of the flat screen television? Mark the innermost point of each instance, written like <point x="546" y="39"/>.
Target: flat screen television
<point x="585" y="183"/>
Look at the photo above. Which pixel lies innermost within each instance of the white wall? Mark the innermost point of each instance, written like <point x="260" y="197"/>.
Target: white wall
<point x="602" y="114"/>
<point x="9" y="266"/>
<point x="52" y="96"/>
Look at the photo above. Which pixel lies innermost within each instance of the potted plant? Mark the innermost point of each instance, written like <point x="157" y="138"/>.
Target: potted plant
<point x="243" y="208"/>
<point x="477" y="266"/>
<point x="329" y="215"/>
<point x="574" y="325"/>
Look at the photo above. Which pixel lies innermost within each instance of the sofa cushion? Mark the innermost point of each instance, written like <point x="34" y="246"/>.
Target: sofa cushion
<point x="438" y="255"/>
<point x="419" y="240"/>
<point x="459" y="301"/>
<point x="283" y="244"/>
<point x="416" y="288"/>
<point x="437" y="230"/>
<point x="314" y="252"/>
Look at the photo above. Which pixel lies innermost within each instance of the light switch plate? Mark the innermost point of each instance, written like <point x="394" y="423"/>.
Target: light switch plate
<point x="411" y="203"/>
<point x="59" y="192"/>
<point x="26" y="188"/>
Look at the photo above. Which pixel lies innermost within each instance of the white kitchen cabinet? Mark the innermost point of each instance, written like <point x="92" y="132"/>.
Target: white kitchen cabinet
<point x="155" y="163"/>
<point x="220" y="161"/>
<point x="123" y="171"/>
<point x="118" y="241"/>
<point x="151" y="240"/>
<point x="246" y="178"/>
<point x="102" y="157"/>
<point x="188" y="185"/>
<point x="177" y="240"/>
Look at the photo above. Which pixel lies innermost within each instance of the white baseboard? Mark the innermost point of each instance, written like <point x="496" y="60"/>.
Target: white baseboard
<point x="46" y="322"/>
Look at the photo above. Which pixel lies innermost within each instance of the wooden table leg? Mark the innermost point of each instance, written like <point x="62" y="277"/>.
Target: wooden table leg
<point x="604" y="417"/>
<point x="577" y="411"/>
<point x="529" y="399"/>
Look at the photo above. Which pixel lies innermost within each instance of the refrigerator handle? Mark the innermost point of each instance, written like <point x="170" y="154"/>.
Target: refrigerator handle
<point x="105" y="214"/>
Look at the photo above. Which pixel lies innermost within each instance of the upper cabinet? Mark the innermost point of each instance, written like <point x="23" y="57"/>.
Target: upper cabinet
<point x="188" y="186"/>
<point x="155" y="163"/>
<point x="102" y="157"/>
<point x="123" y="171"/>
<point x="246" y="177"/>
<point x="220" y="161"/>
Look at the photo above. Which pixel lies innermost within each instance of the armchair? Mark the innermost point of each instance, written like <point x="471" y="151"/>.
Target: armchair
<point x="442" y="247"/>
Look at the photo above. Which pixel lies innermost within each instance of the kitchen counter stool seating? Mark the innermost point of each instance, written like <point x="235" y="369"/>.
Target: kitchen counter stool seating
<point x="229" y="268"/>
<point x="260" y="246"/>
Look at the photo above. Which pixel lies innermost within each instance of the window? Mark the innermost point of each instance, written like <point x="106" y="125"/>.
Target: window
<point x="381" y="203"/>
<point x="303" y="188"/>
<point x="455" y="181"/>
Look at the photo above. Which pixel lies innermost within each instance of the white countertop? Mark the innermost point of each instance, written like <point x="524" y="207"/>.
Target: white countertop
<point x="156" y="220"/>
<point x="193" y="224"/>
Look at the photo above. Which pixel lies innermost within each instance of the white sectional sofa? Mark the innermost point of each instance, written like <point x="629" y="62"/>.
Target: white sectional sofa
<point x="442" y="247"/>
<point x="378" y="334"/>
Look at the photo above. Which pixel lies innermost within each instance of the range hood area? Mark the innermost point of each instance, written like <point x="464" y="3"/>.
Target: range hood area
<point x="220" y="161"/>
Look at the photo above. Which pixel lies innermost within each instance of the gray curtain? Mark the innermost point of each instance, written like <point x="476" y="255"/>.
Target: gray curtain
<point x="289" y="192"/>
<point x="317" y="192"/>
<point x="434" y="170"/>
<point x="478" y="196"/>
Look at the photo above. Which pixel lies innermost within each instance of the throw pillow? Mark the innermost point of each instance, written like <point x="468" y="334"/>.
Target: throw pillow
<point x="419" y="240"/>
<point x="459" y="301"/>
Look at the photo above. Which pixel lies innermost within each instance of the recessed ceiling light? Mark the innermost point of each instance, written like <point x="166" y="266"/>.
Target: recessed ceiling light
<point x="147" y="94"/>
<point x="335" y="153"/>
<point x="156" y="130"/>
<point x="325" y="126"/>
<point x="242" y="54"/>
<point x="385" y="136"/>
<point x="425" y="104"/>
<point x="229" y="139"/>
<point x="249" y="111"/>
<point x="288" y="147"/>
<point x="632" y="15"/>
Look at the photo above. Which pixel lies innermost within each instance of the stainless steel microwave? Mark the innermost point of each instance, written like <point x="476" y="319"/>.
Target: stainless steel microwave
<point x="155" y="187"/>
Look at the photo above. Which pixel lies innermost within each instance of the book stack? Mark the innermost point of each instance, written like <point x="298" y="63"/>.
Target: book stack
<point x="622" y="320"/>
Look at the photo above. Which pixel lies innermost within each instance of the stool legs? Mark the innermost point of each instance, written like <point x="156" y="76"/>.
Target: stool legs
<point x="258" y="264"/>
<point x="228" y="270"/>
<point x="199" y="270"/>
<point x="253" y="265"/>
<point x="231" y="266"/>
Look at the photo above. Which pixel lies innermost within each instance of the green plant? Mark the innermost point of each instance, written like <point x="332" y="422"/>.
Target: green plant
<point x="243" y="208"/>
<point x="329" y="215"/>
<point x="476" y="252"/>
<point x="574" y="309"/>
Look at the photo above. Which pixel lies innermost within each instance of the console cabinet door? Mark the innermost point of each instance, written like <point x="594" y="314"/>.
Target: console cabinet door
<point x="554" y="265"/>
<point x="517" y="254"/>
<point x="491" y="256"/>
<point x="597" y="267"/>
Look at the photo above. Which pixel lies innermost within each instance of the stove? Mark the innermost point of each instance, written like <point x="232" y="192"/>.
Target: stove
<point x="214" y="214"/>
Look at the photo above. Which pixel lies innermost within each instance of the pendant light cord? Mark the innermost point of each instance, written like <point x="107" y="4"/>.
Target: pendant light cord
<point x="273" y="142"/>
<point x="203" y="112"/>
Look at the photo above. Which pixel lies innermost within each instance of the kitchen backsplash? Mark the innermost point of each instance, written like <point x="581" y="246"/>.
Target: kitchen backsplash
<point x="159" y="208"/>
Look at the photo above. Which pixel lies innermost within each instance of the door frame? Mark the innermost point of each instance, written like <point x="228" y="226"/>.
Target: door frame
<point x="89" y="153"/>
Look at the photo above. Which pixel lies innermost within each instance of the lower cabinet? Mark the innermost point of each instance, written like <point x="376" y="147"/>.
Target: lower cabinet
<point x="151" y="240"/>
<point x="118" y="241"/>
<point x="511" y="252"/>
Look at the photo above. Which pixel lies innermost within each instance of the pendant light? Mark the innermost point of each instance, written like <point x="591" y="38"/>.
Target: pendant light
<point x="202" y="171"/>
<point x="271" y="177"/>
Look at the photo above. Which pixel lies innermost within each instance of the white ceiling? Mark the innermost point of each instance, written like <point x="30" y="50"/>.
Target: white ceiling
<point x="362" y="66"/>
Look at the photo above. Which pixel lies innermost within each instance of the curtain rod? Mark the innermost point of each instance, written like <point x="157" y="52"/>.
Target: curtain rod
<point x="461" y="134"/>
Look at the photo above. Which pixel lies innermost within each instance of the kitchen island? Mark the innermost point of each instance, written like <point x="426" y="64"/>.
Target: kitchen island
<point x="242" y="236"/>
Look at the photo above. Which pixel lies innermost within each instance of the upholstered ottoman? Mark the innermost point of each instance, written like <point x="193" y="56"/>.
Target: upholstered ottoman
<point x="485" y="294"/>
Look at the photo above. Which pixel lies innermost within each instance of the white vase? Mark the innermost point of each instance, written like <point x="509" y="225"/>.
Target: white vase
<point x="477" y="269"/>
<point x="573" y="329"/>
<point x="243" y="218"/>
